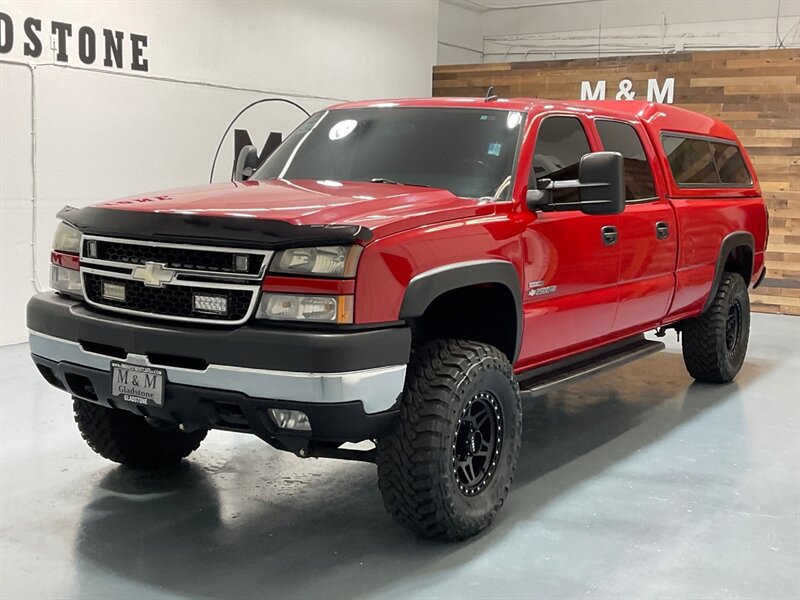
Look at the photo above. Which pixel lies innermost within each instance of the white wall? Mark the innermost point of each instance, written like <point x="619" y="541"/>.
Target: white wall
<point x="561" y="29"/>
<point x="460" y="35"/>
<point x="105" y="134"/>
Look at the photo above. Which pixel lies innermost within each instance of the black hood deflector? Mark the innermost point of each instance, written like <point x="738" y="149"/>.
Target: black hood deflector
<point x="211" y="231"/>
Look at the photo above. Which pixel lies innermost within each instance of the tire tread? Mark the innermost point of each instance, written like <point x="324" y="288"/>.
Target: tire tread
<point x="704" y="351"/>
<point x="409" y="481"/>
<point x="127" y="439"/>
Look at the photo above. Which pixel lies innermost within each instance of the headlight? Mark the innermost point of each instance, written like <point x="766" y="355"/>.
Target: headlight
<point x="328" y="261"/>
<point x="65" y="280"/>
<point x="297" y="307"/>
<point x="67" y="239"/>
<point x="64" y="274"/>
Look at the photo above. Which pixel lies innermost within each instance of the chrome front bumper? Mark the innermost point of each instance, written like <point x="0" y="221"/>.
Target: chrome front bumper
<point x="376" y="388"/>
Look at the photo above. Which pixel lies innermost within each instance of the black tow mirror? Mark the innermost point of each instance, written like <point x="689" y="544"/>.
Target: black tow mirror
<point x="601" y="185"/>
<point x="246" y="163"/>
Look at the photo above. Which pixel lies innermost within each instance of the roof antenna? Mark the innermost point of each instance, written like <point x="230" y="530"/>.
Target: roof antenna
<point x="490" y="95"/>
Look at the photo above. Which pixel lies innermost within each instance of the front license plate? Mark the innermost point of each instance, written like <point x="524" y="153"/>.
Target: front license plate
<point x="142" y="385"/>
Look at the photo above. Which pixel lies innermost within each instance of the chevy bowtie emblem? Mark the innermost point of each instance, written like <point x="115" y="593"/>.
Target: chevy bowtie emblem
<point x="153" y="274"/>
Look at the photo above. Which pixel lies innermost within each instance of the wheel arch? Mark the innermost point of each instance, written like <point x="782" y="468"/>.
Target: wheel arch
<point x="736" y="254"/>
<point x="495" y="282"/>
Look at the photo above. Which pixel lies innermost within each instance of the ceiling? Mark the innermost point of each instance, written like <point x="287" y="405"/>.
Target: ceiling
<point x="489" y="5"/>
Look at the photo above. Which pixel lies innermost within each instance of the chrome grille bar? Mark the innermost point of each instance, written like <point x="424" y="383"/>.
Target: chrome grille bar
<point x="201" y="279"/>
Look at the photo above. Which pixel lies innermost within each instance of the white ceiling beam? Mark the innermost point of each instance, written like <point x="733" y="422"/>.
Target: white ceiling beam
<point x="483" y="7"/>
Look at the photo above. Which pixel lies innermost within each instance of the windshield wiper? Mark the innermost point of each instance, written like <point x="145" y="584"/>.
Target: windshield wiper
<point x="393" y="182"/>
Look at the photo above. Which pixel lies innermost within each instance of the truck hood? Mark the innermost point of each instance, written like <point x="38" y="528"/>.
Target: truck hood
<point x="380" y="208"/>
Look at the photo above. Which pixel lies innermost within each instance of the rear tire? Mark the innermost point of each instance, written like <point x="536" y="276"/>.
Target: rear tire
<point x="128" y="439"/>
<point x="715" y="343"/>
<point x="448" y="466"/>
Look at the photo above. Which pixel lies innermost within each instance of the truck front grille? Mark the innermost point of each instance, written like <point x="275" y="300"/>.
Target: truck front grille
<point x="164" y="280"/>
<point x="212" y="261"/>
<point x="169" y="301"/>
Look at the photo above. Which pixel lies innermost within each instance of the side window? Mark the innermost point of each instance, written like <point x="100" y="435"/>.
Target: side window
<point x="730" y="164"/>
<point x="621" y="137"/>
<point x="560" y="144"/>
<point x="690" y="160"/>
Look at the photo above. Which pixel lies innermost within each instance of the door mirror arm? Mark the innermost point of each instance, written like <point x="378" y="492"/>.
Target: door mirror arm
<point x="540" y="197"/>
<point x="537" y="199"/>
<point x="601" y="183"/>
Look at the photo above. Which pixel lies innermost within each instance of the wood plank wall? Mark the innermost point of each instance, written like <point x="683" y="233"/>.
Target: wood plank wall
<point x="756" y="92"/>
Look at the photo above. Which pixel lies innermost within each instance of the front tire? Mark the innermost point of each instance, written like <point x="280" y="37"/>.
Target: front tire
<point x="715" y="343"/>
<point x="448" y="466"/>
<point x="128" y="439"/>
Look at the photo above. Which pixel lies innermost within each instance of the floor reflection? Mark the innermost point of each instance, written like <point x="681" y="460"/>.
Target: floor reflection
<point x="222" y="530"/>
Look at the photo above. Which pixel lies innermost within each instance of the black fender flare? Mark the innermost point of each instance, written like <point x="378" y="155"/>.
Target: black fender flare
<point x="425" y="287"/>
<point x="729" y="243"/>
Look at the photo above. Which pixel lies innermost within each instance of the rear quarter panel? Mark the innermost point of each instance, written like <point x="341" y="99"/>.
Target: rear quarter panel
<point x="703" y="224"/>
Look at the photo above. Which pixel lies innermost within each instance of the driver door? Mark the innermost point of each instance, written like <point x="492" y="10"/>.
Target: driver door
<point x="572" y="259"/>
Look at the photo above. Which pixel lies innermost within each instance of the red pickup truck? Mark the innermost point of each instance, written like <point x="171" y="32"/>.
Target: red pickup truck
<point x="405" y="272"/>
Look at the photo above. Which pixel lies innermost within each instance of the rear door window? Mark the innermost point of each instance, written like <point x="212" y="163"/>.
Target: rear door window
<point x="622" y="137"/>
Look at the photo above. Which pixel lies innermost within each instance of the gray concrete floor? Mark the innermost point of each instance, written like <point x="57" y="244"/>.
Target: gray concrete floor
<point x="636" y="484"/>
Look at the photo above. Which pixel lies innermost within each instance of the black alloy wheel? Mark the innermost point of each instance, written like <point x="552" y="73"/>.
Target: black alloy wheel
<point x="478" y="442"/>
<point x="733" y="326"/>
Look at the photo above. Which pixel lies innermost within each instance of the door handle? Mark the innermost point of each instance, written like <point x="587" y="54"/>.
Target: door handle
<point x="609" y="234"/>
<point x="662" y="230"/>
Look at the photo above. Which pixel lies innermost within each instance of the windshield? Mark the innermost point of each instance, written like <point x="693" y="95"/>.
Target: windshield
<point x="468" y="151"/>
